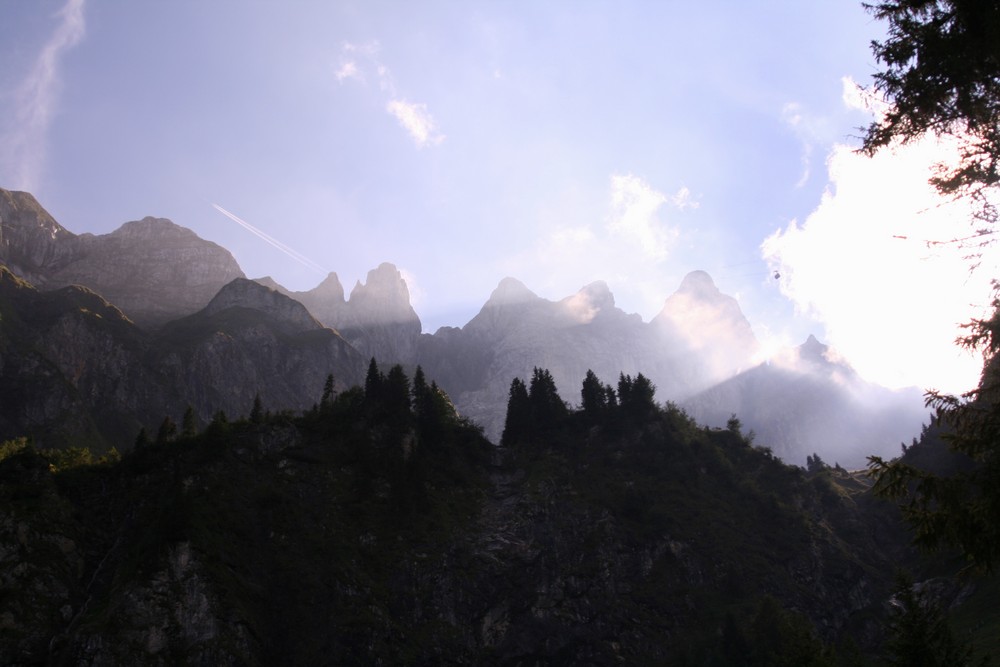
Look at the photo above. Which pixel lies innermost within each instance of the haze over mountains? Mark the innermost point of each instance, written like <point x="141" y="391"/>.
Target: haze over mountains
<point x="168" y="319"/>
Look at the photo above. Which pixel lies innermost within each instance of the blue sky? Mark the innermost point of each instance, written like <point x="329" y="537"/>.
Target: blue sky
<point x="557" y="142"/>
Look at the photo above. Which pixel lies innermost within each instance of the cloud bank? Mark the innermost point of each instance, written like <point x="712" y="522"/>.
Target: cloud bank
<point x="868" y="263"/>
<point x="24" y="138"/>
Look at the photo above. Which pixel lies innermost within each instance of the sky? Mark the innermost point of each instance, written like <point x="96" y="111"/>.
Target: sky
<point x="556" y="142"/>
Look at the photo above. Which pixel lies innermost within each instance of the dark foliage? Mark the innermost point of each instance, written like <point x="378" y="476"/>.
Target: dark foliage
<point x="957" y="502"/>
<point x="941" y="73"/>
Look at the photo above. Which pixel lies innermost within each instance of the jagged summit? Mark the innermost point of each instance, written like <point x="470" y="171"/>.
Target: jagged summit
<point x="812" y="349"/>
<point x="383" y="298"/>
<point x="510" y="291"/>
<point x="330" y="288"/>
<point x="599" y="295"/>
<point x="153" y="269"/>
<point x="698" y="283"/>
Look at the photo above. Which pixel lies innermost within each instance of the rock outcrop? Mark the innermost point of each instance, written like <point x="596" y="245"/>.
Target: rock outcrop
<point x="152" y="269"/>
<point x="377" y="319"/>
<point x="32" y="243"/>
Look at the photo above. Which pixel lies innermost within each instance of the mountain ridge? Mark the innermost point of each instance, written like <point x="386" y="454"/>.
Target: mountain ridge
<point x="699" y="340"/>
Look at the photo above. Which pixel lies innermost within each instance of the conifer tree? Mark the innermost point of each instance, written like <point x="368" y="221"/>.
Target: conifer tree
<point x="167" y="431"/>
<point x="257" y="411"/>
<point x="547" y="408"/>
<point x="396" y="396"/>
<point x="517" y="425"/>
<point x="189" y="426"/>
<point x="919" y="635"/>
<point x="327" y="397"/>
<point x="593" y="398"/>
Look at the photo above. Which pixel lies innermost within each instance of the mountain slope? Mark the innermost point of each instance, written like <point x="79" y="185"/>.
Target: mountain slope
<point x="152" y="269"/>
<point x="360" y="533"/>
<point x="75" y="371"/>
<point x="802" y="403"/>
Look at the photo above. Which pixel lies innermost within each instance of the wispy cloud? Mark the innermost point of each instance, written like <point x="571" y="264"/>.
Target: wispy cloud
<point x="357" y="60"/>
<point x="348" y="70"/>
<point x="634" y="214"/>
<point x="415" y="120"/>
<point x="24" y="138"/>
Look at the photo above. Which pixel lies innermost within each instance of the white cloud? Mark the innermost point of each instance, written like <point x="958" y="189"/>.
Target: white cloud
<point x="634" y="206"/>
<point x="357" y="59"/>
<point x="348" y="70"/>
<point x="24" y="139"/>
<point x="866" y="264"/>
<point x="415" y="120"/>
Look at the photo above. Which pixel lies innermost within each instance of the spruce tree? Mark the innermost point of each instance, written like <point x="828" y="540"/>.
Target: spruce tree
<point x="517" y="425"/>
<point x="189" y="426"/>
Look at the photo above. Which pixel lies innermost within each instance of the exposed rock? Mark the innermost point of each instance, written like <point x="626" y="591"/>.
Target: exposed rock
<point x="377" y="319"/>
<point x="152" y="269"/>
<point x="325" y="301"/>
<point x="32" y="243"/>
<point x="74" y="370"/>
<point x="516" y="330"/>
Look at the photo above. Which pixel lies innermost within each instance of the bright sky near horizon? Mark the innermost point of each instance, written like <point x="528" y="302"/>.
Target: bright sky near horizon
<point x="558" y="142"/>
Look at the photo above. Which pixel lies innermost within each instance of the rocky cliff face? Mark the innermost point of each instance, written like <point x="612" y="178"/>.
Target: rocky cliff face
<point x="378" y="319"/>
<point x="152" y="269"/>
<point x="75" y="371"/>
<point x="516" y="330"/>
<point x="699" y="338"/>
<point x="253" y="340"/>
<point x="32" y="243"/>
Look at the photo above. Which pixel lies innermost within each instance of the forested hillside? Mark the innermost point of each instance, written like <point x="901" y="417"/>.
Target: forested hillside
<point x="378" y="526"/>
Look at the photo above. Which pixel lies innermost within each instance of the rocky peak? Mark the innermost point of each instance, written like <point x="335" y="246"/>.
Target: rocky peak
<point x="706" y="331"/>
<point x="599" y="295"/>
<point x="813" y="350"/>
<point x="382" y="299"/>
<point x="591" y="301"/>
<point x="31" y="241"/>
<point x="378" y="318"/>
<point x="699" y="284"/>
<point x="288" y="313"/>
<point x="325" y="302"/>
<point x="153" y="269"/>
<point x="511" y="291"/>
<point x="330" y="289"/>
<point x="150" y="228"/>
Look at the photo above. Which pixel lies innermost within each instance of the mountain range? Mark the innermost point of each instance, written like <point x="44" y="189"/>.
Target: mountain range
<point x="136" y="325"/>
